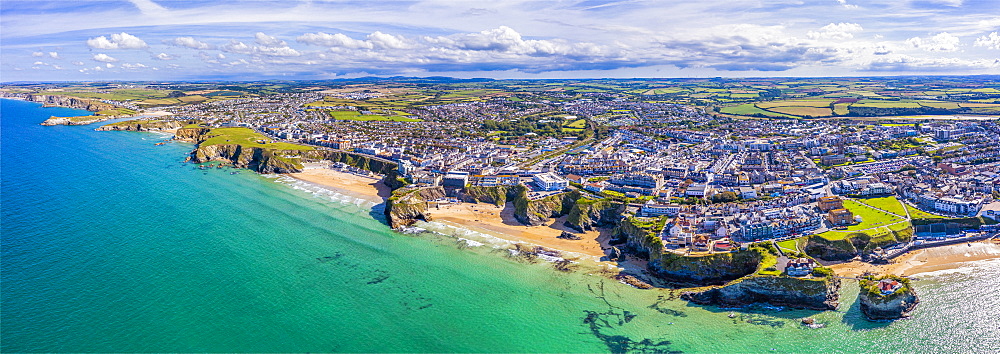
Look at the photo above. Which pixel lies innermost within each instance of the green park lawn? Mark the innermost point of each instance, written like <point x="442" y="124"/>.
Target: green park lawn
<point x="247" y="137"/>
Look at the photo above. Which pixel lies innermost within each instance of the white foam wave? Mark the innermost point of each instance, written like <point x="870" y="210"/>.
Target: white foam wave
<point x="964" y="268"/>
<point x="321" y="192"/>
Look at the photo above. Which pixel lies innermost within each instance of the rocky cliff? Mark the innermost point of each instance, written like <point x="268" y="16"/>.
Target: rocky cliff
<point x="70" y="102"/>
<point x="815" y="294"/>
<point x="81" y="120"/>
<point x="537" y="212"/>
<point x="144" y="125"/>
<point x="407" y="205"/>
<point x="705" y="270"/>
<point x="192" y="134"/>
<point x="257" y="159"/>
<point x="895" y="305"/>
<point x="587" y="213"/>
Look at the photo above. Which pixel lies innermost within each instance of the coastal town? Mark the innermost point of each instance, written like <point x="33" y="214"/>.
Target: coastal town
<point x="816" y="175"/>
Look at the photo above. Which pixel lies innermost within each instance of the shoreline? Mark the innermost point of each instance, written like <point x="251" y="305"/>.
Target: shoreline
<point x="926" y="260"/>
<point x="484" y="218"/>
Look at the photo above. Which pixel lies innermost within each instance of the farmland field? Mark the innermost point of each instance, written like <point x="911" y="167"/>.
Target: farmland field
<point x="803" y="111"/>
<point x="750" y="109"/>
<point x="795" y="103"/>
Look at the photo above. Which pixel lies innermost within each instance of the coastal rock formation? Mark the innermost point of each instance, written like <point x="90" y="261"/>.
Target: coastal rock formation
<point x="144" y="125"/>
<point x="81" y="120"/>
<point x="407" y="205"/>
<point x="257" y="159"/>
<point x="193" y="134"/>
<point x="705" y="270"/>
<point x="69" y="102"/>
<point x="496" y="195"/>
<point x="587" y="214"/>
<point x="887" y="298"/>
<point x="537" y="212"/>
<point x="814" y="293"/>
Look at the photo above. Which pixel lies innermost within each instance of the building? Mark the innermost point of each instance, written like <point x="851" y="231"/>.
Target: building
<point x="800" y="267"/>
<point x="830" y="203"/>
<point x="455" y="179"/>
<point x="549" y="181"/>
<point x="748" y="193"/>
<point x="698" y="190"/>
<point x="831" y="160"/>
<point x="841" y="217"/>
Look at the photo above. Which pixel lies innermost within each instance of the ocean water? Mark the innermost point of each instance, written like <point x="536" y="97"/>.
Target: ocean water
<point x="109" y="243"/>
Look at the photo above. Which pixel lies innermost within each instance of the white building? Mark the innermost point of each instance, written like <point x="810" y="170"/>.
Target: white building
<point x="549" y="181"/>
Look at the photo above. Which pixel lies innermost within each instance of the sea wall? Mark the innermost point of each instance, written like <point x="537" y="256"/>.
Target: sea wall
<point x="814" y="293"/>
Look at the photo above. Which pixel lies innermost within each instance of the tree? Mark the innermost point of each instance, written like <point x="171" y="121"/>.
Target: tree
<point x="725" y="197"/>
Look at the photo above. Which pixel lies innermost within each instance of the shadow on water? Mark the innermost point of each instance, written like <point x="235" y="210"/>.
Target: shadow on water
<point x="603" y="324"/>
<point x="856" y="321"/>
<point x="377" y="212"/>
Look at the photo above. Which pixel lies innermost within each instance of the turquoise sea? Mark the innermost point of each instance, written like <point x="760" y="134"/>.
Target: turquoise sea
<point x="112" y="244"/>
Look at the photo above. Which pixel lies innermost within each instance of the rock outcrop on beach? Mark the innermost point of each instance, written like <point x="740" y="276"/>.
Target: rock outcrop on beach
<point x="192" y="134"/>
<point x="587" y="213"/>
<point x="813" y="293"/>
<point x="144" y="125"/>
<point x="407" y="205"/>
<point x="535" y="212"/>
<point x="879" y="305"/>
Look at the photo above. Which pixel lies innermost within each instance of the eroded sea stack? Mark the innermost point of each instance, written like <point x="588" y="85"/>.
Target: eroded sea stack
<point x="887" y="297"/>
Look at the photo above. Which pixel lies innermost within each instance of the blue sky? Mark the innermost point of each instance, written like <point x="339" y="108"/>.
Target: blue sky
<point x="328" y="39"/>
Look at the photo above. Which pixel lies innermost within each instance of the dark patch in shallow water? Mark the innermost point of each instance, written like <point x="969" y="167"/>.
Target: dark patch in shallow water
<point x="659" y="307"/>
<point x="601" y="322"/>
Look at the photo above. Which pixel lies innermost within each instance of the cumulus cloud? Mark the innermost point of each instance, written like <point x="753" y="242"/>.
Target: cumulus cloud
<point x="118" y="41"/>
<point x="188" y="42"/>
<point x="38" y="54"/>
<point x="133" y="66"/>
<point x="333" y="40"/>
<point x="78" y="63"/>
<point x="991" y="41"/>
<point x="836" y="31"/>
<point x="268" y="41"/>
<point x="101" y="57"/>
<point x="267" y="46"/>
<point x="941" y="42"/>
<point x="163" y="56"/>
<point x="54" y="55"/>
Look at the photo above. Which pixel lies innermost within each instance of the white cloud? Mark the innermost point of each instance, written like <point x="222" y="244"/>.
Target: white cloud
<point x="54" y="55"/>
<point x="836" y="31"/>
<point x="382" y="40"/>
<point x="333" y="40"/>
<point x="133" y="66"/>
<point x="941" y="42"/>
<point x="101" y="57"/>
<point x="118" y="41"/>
<point x="78" y="63"/>
<point x="991" y="41"/>
<point x="846" y="5"/>
<point x="109" y="65"/>
<point x="163" y="56"/>
<point x="39" y="63"/>
<point x="188" y="42"/>
<point x="238" y="47"/>
<point x="38" y="54"/>
<point x="268" y="41"/>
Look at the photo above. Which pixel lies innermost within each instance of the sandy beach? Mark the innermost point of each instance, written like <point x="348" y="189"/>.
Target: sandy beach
<point x="494" y="220"/>
<point x="367" y="188"/>
<point x="926" y="260"/>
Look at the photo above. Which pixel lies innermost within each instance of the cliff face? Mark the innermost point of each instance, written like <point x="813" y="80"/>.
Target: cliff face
<point x="257" y="159"/>
<point x="878" y="307"/>
<point x="586" y="214"/>
<point x="498" y="195"/>
<point x="408" y="205"/>
<point x="82" y="120"/>
<point x="703" y="270"/>
<point x="537" y="212"/>
<point x="816" y="294"/>
<point x="190" y="134"/>
<point x="70" y="102"/>
<point x="143" y="125"/>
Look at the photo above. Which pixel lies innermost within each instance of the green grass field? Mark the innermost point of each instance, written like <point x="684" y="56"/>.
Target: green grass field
<point x="870" y="217"/>
<point x="247" y="137"/>
<point x="750" y="109"/>
<point x="890" y="204"/>
<point x="920" y="214"/>
<point x="357" y="116"/>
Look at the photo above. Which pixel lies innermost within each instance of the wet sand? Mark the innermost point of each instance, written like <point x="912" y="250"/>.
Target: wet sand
<point x="368" y="188"/>
<point x="926" y="260"/>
